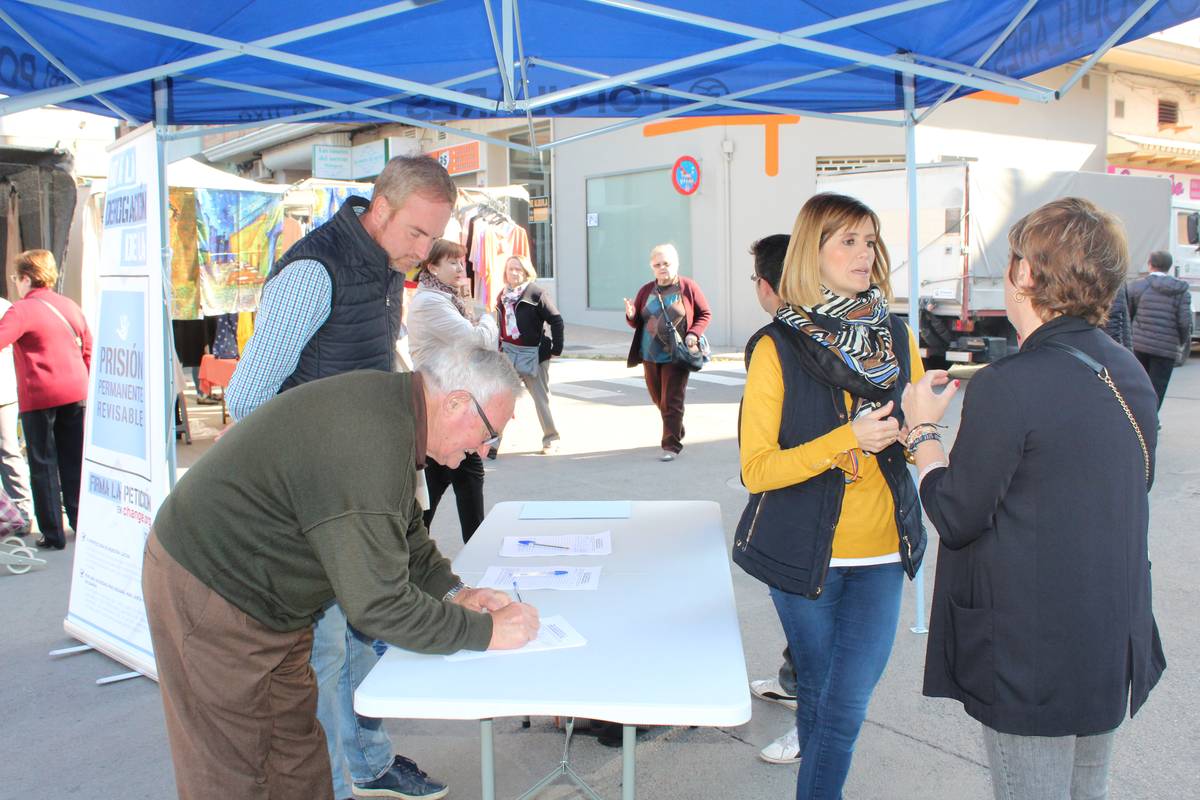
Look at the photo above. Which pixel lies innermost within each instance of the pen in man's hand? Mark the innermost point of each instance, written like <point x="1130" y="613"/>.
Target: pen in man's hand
<point x="517" y="592"/>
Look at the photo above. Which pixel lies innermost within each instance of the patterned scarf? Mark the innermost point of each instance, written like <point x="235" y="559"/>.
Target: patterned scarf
<point x="862" y="343"/>
<point x="429" y="281"/>
<point x="509" y="299"/>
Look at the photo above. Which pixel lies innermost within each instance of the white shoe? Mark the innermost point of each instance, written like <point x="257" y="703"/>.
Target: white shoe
<point x="784" y="750"/>
<point x="667" y="455"/>
<point x="770" y="690"/>
<point x="550" y="449"/>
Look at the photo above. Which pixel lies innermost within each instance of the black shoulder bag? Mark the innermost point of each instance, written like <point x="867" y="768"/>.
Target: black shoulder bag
<point x="680" y="353"/>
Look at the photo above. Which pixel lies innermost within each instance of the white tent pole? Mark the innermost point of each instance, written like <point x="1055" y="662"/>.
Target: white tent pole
<point x="161" y="101"/>
<point x="914" y="278"/>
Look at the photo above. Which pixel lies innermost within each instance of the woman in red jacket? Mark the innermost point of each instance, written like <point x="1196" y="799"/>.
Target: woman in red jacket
<point x="52" y="350"/>
<point x="670" y="300"/>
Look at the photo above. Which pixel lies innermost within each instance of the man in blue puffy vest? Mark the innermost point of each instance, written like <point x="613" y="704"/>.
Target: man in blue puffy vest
<point x="331" y="305"/>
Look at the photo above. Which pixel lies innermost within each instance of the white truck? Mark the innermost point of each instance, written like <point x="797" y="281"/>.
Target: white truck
<point x="1185" y="251"/>
<point x="966" y="209"/>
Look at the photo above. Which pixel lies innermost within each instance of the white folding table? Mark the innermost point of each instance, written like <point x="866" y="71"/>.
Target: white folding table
<point x="663" y="643"/>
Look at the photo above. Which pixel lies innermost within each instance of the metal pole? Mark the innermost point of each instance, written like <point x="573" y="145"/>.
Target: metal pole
<point x="914" y="279"/>
<point x="487" y="761"/>
<point x="628" y="743"/>
<point x="161" y="103"/>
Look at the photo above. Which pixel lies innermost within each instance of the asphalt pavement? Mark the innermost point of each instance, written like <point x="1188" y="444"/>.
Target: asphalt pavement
<point x="67" y="736"/>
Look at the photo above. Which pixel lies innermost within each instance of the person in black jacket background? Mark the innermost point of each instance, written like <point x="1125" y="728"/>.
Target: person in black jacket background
<point x="523" y="310"/>
<point x="1161" y="310"/>
<point x="1041" y="624"/>
<point x="1118" y="323"/>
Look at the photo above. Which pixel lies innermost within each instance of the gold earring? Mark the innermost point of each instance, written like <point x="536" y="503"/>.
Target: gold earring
<point x="1019" y="297"/>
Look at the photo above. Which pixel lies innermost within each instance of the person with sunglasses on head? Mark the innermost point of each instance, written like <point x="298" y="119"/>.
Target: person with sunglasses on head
<point x="442" y="313"/>
<point x="313" y="499"/>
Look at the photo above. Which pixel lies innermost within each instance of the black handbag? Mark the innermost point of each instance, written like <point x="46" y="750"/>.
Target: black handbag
<point x="680" y="354"/>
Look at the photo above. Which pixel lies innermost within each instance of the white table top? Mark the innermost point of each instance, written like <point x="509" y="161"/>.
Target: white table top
<point x="663" y="643"/>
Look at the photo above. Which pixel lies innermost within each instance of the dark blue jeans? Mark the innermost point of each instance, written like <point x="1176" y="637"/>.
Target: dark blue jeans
<point x="840" y="644"/>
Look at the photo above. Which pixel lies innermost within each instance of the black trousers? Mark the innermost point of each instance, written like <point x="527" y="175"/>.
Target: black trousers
<point x="1159" y="368"/>
<point x="54" y="446"/>
<point x="467" y="480"/>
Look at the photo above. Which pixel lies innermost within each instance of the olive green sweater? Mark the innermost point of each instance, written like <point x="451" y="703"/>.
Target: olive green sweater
<point x="311" y="498"/>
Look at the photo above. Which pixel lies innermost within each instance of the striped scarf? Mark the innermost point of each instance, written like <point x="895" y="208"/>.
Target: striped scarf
<point x="862" y="342"/>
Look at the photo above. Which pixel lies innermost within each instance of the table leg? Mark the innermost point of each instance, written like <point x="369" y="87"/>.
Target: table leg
<point x="487" y="760"/>
<point x="628" y="743"/>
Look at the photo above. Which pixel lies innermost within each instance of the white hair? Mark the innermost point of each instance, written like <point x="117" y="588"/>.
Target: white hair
<point x="667" y="249"/>
<point x="483" y="372"/>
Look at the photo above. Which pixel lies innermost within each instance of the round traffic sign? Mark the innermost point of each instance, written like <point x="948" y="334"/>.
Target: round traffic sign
<point x="685" y="175"/>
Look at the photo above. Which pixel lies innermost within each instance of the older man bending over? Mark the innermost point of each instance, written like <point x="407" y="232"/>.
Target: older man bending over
<point x="307" y="501"/>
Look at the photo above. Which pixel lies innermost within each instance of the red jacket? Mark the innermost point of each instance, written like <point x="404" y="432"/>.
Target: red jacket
<point x="52" y="370"/>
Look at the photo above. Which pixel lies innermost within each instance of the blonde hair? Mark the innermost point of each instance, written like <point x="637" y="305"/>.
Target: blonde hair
<point x="526" y="264"/>
<point x="39" y="266"/>
<point x="820" y="218"/>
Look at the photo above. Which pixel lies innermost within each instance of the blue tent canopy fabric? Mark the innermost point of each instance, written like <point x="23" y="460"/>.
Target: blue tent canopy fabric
<point x="436" y="62"/>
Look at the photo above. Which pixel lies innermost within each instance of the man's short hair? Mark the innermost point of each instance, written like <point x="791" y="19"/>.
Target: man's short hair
<point x="406" y="175"/>
<point x="1160" y="261"/>
<point x="483" y="371"/>
<point x="768" y="255"/>
<point x="1077" y="258"/>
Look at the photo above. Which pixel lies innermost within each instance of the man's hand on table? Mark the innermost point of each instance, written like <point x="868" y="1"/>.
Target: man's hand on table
<point x="513" y="626"/>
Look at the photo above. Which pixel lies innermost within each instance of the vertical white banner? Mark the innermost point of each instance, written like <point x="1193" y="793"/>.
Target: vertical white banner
<point x="125" y="471"/>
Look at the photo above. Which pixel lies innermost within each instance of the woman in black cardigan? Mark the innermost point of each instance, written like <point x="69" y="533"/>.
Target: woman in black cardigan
<point x="523" y="311"/>
<point x="1041" y="623"/>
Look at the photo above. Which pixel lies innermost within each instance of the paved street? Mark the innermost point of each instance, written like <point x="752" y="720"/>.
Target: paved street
<point x="66" y="736"/>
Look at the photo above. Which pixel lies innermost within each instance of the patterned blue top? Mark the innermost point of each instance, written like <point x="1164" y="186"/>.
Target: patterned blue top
<point x="294" y="306"/>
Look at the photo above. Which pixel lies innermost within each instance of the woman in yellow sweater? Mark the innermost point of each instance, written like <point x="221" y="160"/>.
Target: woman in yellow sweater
<point x="833" y="520"/>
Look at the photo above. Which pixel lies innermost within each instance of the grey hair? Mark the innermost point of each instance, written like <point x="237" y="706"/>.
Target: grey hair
<point x="406" y="175"/>
<point x="483" y="372"/>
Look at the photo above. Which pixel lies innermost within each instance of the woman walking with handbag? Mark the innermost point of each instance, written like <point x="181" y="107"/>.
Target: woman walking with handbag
<point x="833" y="522"/>
<point x="523" y="310"/>
<point x="52" y="350"/>
<point x="1042" y="623"/>
<point x="440" y="315"/>
<point x="666" y="312"/>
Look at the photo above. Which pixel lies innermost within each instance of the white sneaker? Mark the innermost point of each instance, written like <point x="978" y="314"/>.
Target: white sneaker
<point x="770" y="690"/>
<point x="784" y="750"/>
<point x="550" y="448"/>
<point x="667" y="455"/>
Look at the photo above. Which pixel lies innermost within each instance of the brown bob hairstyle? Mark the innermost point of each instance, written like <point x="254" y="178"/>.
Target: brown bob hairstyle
<point x="39" y="266"/>
<point x="441" y="250"/>
<point x="1077" y="258"/>
<point x="820" y="218"/>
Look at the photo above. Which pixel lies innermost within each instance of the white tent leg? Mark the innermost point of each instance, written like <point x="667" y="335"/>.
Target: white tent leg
<point x="161" y="100"/>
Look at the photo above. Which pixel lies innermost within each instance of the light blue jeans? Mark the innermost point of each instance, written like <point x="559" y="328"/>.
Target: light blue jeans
<point x="840" y="643"/>
<point x="1049" y="767"/>
<point x="341" y="658"/>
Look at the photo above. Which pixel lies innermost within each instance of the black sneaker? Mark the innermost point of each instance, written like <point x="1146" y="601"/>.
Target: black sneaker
<point x="404" y="780"/>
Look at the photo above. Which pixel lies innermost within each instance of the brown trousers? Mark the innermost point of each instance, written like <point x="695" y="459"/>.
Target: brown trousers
<point x="240" y="699"/>
<point x="667" y="384"/>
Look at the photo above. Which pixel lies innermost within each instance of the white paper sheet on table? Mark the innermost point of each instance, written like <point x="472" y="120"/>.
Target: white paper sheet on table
<point x="576" y="509"/>
<point x="582" y="544"/>
<point x="554" y="634"/>
<point x="534" y="578"/>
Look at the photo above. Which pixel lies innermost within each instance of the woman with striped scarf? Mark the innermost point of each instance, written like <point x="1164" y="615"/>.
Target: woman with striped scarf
<point x="833" y="522"/>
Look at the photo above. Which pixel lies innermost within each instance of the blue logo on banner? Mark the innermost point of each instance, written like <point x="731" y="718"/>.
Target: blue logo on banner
<point x="119" y="407"/>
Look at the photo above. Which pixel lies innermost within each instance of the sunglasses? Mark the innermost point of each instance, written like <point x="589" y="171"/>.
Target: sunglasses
<point x="494" y="438"/>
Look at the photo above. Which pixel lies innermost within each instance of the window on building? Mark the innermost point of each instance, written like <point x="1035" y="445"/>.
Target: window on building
<point x="627" y="214"/>
<point x="1119" y="109"/>
<point x="1168" y="112"/>
<point x="828" y="164"/>
<point x="533" y="172"/>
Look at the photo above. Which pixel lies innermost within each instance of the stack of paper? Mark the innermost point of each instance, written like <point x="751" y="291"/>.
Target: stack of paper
<point x="586" y="544"/>
<point x="554" y="634"/>
<point x="526" y="579"/>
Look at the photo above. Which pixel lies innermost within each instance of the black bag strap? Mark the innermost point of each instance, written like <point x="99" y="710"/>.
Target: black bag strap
<point x="662" y="307"/>
<point x="1101" y="372"/>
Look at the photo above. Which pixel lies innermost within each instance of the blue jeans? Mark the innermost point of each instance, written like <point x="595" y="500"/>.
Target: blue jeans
<point x="341" y="658"/>
<point x="840" y="643"/>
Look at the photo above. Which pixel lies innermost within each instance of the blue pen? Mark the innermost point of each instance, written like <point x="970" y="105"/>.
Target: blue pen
<point x="543" y="573"/>
<point x="541" y="544"/>
<point x="517" y="592"/>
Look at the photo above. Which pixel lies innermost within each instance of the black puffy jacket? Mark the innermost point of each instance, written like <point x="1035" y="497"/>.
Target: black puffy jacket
<point x="1161" y="309"/>
<point x="1117" y="326"/>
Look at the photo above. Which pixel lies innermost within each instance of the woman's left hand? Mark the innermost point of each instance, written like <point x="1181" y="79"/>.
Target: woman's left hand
<point x="921" y="404"/>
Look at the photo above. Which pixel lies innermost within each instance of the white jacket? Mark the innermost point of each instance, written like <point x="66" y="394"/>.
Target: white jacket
<point x="434" y="320"/>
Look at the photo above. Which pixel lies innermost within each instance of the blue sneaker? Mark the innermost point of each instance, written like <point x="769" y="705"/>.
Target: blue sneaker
<point x="404" y="780"/>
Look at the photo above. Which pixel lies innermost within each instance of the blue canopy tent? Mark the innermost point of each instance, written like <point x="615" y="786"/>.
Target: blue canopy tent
<point x="433" y="63"/>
